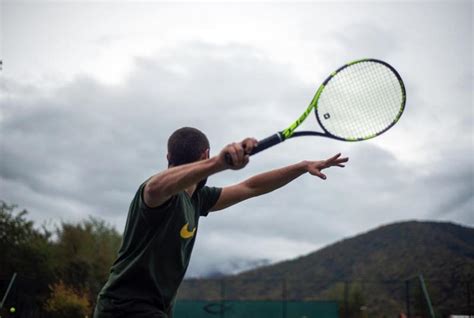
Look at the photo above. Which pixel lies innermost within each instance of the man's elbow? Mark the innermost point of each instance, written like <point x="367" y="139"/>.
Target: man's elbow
<point x="248" y="190"/>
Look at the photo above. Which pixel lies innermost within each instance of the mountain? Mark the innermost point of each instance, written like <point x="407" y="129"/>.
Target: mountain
<point x="234" y="266"/>
<point x="380" y="266"/>
<point x="392" y="252"/>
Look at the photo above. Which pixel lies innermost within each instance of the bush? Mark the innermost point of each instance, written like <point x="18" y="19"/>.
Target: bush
<point x="64" y="301"/>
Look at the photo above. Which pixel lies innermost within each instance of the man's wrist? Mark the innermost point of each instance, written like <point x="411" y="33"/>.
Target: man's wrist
<point x="217" y="164"/>
<point x="302" y="166"/>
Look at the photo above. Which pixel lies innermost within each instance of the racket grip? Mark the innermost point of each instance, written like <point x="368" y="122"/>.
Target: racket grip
<point x="262" y="145"/>
<point x="267" y="143"/>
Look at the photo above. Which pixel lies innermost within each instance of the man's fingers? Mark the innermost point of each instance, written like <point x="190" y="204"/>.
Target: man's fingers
<point x="240" y="151"/>
<point x="237" y="154"/>
<point x="334" y="157"/>
<point x="335" y="161"/>
<point x="233" y="155"/>
<point x="340" y="161"/>
<point x="315" y="167"/>
<point x="345" y="159"/>
<point x="321" y="175"/>
<point x="249" y="144"/>
<point x="329" y="162"/>
<point x="317" y="172"/>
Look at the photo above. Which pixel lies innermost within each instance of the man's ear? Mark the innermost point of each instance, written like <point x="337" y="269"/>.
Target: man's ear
<point x="205" y="154"/>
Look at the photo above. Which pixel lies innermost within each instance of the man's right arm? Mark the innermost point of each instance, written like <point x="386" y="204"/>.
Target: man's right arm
<point x="162" y="186"/>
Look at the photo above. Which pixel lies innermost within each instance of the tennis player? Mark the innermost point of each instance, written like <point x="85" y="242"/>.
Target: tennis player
<point x="163" y="220"/>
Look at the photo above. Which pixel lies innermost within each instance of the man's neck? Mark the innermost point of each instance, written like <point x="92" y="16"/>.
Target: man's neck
<point x="191" y="190"/>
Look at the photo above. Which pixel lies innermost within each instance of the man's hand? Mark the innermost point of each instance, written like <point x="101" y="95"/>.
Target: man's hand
<point x="236" y="155"/>
<point x="315" y="167"/>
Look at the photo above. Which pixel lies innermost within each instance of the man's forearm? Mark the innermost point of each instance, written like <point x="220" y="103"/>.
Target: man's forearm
<point x="176" y="179"/>
<point x="274" y="179"/>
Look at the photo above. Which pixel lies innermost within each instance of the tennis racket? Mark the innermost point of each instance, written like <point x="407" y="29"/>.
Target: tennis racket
<point x="359" y="101"/>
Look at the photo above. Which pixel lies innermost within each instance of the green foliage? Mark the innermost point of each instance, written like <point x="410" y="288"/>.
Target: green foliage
<point x="25" y="250"/>
<point x="21" y="244"/>
<point x="65" y="301"/>
<point x="78" y="254"/>
<point x="356" y="299"/>
<point x="86" y="251"/>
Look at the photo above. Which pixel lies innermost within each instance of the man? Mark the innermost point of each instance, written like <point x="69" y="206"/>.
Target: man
<point x="163" y="219"/>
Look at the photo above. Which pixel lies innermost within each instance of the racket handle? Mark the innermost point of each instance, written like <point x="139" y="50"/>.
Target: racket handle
<point x="267" y="143"/>
<point x="262" y="145"/>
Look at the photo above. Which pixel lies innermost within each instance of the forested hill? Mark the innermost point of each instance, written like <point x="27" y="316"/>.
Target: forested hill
<point x="392" y="252"/>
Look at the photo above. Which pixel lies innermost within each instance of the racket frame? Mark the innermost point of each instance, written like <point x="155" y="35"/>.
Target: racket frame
<point x="291" y="133"/>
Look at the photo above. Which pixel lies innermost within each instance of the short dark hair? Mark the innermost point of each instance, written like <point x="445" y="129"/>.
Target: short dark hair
<point x="186" y="145"/>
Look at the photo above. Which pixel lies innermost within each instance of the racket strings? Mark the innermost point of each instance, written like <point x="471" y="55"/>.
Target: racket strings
<point x="360" y="101"/>
<point x="380" y="99"/>
<point x="363" y="120"/>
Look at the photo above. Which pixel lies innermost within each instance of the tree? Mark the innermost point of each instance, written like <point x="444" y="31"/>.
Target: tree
<point x="86" y="250"/>
<point x="27" y="251"/>
<point x="65" y="301"/>
<point x="76" y="259"/>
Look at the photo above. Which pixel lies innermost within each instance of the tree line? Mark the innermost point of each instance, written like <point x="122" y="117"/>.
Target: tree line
<point x="61" y="270"/>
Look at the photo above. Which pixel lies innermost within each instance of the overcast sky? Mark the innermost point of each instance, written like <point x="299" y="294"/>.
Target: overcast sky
<point x="90" y="92"/>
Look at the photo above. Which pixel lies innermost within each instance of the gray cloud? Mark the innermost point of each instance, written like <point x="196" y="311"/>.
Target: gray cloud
<point x="367" y="40"/>
<point x="92" y="143"/>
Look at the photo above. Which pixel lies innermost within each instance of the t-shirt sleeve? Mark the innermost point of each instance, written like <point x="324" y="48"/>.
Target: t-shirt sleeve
<point x="208" y="198"/>
<point x="156" y="213"/>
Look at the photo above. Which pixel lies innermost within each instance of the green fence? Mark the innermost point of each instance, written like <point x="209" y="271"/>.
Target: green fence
<point x="229" y="298"/>
<point x="255" y="309"/>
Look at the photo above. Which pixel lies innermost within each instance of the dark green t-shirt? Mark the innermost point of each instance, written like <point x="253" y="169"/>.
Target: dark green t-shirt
<point x="155" y="252"/>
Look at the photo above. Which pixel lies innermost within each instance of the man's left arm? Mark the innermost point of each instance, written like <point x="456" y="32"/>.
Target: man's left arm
<point x="272" y="180"/>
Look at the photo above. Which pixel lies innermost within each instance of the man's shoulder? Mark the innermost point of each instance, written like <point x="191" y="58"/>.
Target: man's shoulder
<point x="209" y="190"/>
